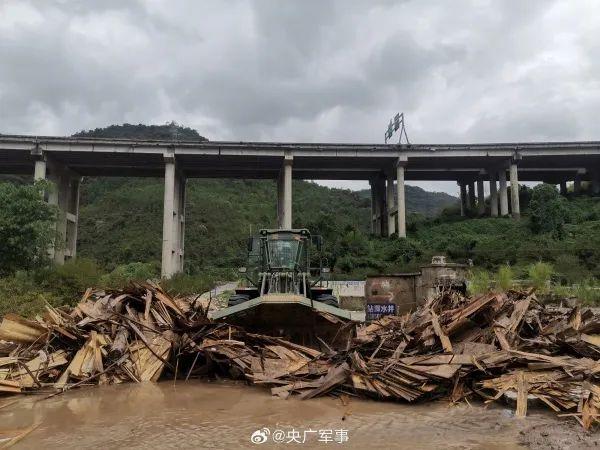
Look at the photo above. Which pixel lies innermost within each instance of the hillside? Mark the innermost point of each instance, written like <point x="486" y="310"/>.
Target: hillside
<point x="150" y="132"/>
<point x="420" y="201"/>
<point x="121" y="219"/>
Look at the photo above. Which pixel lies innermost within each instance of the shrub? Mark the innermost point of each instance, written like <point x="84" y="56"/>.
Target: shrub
<point x="547" y="211"/>
<point x="26" y="226"/>
<point x="540" y="275"/>
<point x="123" y="274"/>
<point x="70" y="280"/>
<point x="403" y="250"/>
<point x="479" y="282"/>
<point x="504" y="278"/>
<point x="184" y="284"/>
<point x="19" y="294"/>
<point x="588" y="292"/>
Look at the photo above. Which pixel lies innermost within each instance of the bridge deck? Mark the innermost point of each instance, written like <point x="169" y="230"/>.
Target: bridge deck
<point x="213" y="159"/>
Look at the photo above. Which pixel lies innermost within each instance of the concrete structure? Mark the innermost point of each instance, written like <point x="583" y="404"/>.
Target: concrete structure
<point x="65" y="160"/>
<point x="480" y="196"/>
<point x="464" y="206"/>
<point x="596" y="182"/>
<point x="472" y="200"/>
<point x="64" y="194"/>
<point x="493" y="193"/>
<point x="503" y="192"/>
<point x="408" y="290"/>
<point x="284" y="191"/>
<point x="514" y="192"/>
<point x="563" y="188"/>
<point x="173" y="219"/>
<point x="391" y="226"/>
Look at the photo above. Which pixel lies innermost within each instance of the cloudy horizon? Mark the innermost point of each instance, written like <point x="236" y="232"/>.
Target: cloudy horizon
<point x="329" y="71"/>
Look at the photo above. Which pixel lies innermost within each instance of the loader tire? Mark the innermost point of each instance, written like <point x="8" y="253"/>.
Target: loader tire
<point x="237" y="299"/>
<point x="328" y="299"/>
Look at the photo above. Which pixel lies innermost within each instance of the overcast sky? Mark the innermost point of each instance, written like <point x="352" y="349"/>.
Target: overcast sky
<point x="461" y="71"/>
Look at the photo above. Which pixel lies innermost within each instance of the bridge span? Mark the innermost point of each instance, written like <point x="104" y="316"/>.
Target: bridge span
<point x="64" y="160"/>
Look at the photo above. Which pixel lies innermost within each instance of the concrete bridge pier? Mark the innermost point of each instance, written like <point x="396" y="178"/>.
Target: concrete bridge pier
<point x="480" y="196"/>
<point x="563" y="187"/>
<point x="472" y="200"/>
<point x="64" y="194"/>
<point x="596" y="182"/>
<point x="387" y="218"/>
<point x="514" y="192"/>
<point x="503" y="192"/>
<point x="284" y="194"/>
<point x="463" y="198"/>
<point x="400" y="200"/>
<point x="378" y="205"/>
<point x="493" y="193"/>
<point x="173" y="219"/>
<point x="389" y="194"/>
<point x="577" y="182"/>
<point x="373" y="188"/>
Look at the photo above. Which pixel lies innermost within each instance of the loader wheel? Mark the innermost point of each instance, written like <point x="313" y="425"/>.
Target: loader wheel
<point x="237" y="299"/>
<point x="327" y="299"/>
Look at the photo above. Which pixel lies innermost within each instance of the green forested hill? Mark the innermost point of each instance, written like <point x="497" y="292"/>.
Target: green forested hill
<point x="420" y="201"/>
<point x="150" y="132"/>
<point x="121" y="219"/>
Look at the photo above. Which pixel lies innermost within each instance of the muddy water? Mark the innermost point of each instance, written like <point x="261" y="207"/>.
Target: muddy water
<point x="218" y="415"/>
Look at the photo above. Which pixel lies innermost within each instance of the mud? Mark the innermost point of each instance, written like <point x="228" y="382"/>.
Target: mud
<point x="224" y="415"/>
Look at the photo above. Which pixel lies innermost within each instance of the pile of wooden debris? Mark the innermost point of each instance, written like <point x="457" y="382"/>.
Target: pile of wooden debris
<point x="109" y="337"/>
<point x="452" y="347"/>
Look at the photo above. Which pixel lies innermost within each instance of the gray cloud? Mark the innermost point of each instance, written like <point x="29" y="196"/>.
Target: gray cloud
<point x="327" y="70"/>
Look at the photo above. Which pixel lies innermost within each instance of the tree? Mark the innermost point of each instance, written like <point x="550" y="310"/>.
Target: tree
<point x="547" y="211"/>
<point x="26" y="226"/>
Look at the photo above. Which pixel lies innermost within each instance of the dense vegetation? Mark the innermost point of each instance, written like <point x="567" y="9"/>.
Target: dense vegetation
<point x="25" y="226"/>
<point x="421" y="201"/>
<point x="121" y="220"/>
<point x="150" y="132"/>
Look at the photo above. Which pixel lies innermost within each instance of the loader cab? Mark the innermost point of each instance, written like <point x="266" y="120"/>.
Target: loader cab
<point x="284" y="262"/>
<point x="285" y="294"/>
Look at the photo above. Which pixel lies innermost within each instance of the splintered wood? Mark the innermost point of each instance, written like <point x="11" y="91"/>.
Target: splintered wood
<point x="109" y="337"/>
<point x="453" y="347"/>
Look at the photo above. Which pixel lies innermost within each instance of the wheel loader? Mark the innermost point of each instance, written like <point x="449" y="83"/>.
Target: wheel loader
<point x="285" y="295"/>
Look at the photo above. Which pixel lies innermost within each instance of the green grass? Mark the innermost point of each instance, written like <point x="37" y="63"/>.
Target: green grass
<point x="540" y="275"/>
<point x="504" y="278"/>
<point x="26" y="293"/>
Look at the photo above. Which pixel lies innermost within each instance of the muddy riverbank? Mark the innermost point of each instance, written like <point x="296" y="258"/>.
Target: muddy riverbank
<point x="225" y="415"/>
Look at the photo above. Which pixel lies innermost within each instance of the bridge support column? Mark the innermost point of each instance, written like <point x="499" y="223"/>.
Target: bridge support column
<point x="378" y="206"/>
<point x="381" y="206"/>
<point x="514" y="192"/>
<point x="493" y="194"/>
<point x="373" y="186"/>
<point x="480" y="196"/>
<point x="463" y="199"/>
<point x="596" y="182"/>
<point x="173" y="219"/>
<point x="577" y="181"/>
<point x="563" y="188"/>
<point x="284" y="195"/>
<point x="400" y="201"/>
<point x="65" y="196"/>
<point x="389" y="194"/>
<point x="471" y="196"/>
<point x="503" y="192"/>
<point x="39" y="172"/>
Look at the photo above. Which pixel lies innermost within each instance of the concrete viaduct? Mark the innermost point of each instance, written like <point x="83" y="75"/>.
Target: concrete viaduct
<point x="64" y="160"/>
